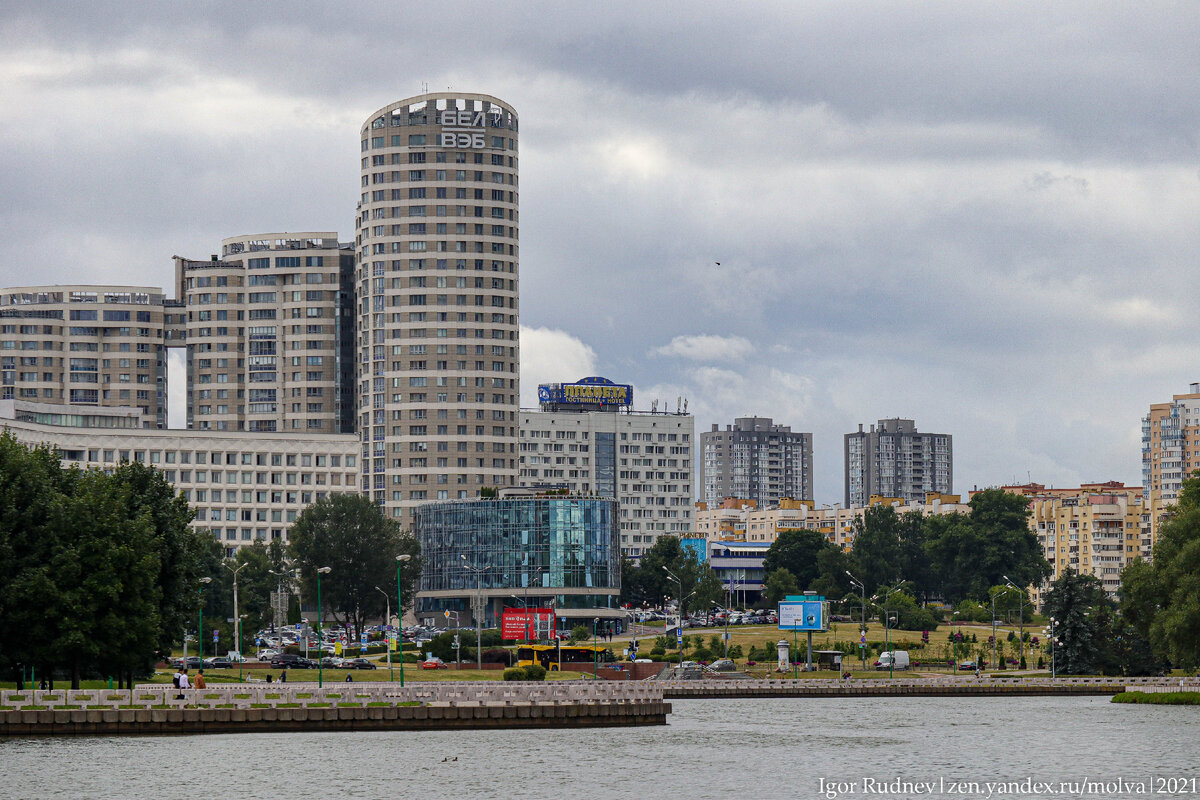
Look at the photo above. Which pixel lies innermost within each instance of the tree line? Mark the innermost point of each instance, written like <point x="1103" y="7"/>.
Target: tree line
<point x="102" y="575"/>
<point x="99" y="571"/>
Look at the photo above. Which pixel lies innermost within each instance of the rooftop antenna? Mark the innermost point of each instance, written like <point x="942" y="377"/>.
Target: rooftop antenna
<point x="424" y="87"/>
<point x="685" y="405"/>
<point x="678" y="403"/>
<point x="654" y="406"/>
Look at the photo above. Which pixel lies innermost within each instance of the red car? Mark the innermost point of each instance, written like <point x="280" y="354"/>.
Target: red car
<point x="434" y="663"/>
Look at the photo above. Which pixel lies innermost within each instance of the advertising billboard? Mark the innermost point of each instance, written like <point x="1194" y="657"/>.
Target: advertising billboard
<point x="536" y="624"/>
<point x="589" y="391"/>
<point x="803" y="615"/>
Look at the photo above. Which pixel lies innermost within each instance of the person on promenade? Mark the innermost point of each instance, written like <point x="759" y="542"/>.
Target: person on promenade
<point x="349" y="678"/>
<point x="200" y="682"/>
<point x="184" y="684"/>
<point x="283" y="675"/>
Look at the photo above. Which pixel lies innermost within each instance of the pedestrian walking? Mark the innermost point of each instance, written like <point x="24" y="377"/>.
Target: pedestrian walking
<point x="184" y="684"/>
<point x="283" y="675"/>
<point x="200" y="682"/>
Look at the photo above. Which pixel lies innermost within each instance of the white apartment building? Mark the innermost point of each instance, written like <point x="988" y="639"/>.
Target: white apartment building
<point x="586" y="438"/>
<point x="757" y="460"/>
<point x="243" y="488"/>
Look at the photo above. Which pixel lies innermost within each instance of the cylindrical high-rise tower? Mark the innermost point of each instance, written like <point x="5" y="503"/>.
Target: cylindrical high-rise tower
<point x="437" y="285"/>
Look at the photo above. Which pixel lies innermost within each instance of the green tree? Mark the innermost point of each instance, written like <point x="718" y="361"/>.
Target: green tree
<point x="832" y="581"/>
<point x="796" y="551"/>
<point x="1082" y="614"/>
<point x="1176" y="627"/>
<point x="876" y="548"/>
<point x="780" y="583"/>
<point x="350" y="535"/>
<point x="668" y="557"/>
<point x="968" y="554"/>
<point x="98" y="572"/>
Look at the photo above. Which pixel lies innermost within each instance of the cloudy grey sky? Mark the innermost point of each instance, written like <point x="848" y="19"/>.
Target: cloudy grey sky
<point x="982" y="216"/>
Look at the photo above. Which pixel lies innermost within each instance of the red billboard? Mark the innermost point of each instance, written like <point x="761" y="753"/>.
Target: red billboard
<point x="533" y="623"/>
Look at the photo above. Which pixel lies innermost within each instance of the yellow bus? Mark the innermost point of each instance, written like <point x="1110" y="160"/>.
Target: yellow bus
<point x="565" y="657"/>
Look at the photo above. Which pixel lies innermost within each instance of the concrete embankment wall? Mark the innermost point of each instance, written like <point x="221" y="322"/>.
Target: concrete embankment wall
<point x="142" y="722"/>
<point x="234" y="708"/>
<point x="962" y="687"/>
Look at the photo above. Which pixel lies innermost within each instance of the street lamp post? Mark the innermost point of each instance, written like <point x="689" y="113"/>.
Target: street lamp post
<point x="203" y="582"/>
<point x="320" y="661"/>
<point x="387" y="624"/>
<point x="400" y="559"/>
<point x="1021" y="597"/>
<point x="241" y="657"/>
<point x="994" y="664"/>
<point x="524" y="613"/>
<point x="1053" y="642"/>
<point x="237" y="621"/>
<point x="595" y="651"/>
<point x="477" y="608"/>
<point x="679" y="614"/>
<point x="887" y="630"/>
<point x="862" y="646"/>
<point x="726" y="631"/>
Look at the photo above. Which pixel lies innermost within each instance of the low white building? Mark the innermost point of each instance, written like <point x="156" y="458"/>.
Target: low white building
<point x="245" y="487"/>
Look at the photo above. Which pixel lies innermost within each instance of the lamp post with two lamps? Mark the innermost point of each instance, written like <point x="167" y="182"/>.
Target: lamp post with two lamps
<point x="1021" y="597"/>
<point x="477" y="608"/>
<point x="400" y="559"/>
<point x="887" y="628"/>
<point x="862" y="645"/>
<point x="320" y="661"/>
<point x="387" y="624"/>
<point x="200" y="647"/>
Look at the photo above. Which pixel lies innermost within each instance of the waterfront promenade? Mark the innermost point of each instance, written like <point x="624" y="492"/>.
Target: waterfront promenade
<point x="254" y="708"/>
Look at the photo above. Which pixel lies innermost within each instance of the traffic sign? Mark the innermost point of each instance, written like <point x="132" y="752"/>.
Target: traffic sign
<point x="216" y="634"/>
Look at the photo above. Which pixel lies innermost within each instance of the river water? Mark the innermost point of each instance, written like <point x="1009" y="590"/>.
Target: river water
<point x="729" y="749"/>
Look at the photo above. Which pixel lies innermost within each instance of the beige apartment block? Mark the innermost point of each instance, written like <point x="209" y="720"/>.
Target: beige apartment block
<point x="85" y="346"/>
<point x="437" y="287"/>
<point x="268" y="327"/>
<point x="742" y="521"/>
<point x="1170" y="452"/>
<point x="244" y="488"/>
<point x="643" y="459"/>
<point x="1096" y="529"/>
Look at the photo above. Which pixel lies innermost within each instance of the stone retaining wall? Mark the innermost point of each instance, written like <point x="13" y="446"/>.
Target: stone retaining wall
<point x="434" y="716"/>
<point x="936" y="687"/>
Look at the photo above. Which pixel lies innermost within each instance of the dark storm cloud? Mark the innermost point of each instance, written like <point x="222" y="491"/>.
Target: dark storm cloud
<point x="978" y="215"/>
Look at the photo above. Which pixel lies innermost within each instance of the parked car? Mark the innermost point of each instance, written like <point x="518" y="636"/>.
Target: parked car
<point x="192" y="662"/>
<point x="722" y="665"/>
<point x="359" y="663"/>
<point x="969" y="665"/>
<point x="434" y="663"/>
<point x="219" y="662"/>
<point x="288" y="661"/>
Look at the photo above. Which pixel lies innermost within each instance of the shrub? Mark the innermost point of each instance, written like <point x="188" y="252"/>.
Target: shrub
<point x="579" y="634"/>
<point x="515" y="674"/>
<point x="497" y="655"/>
<point x="657" y="652"/>
<point x="1022" y="664"/>
<point x="535" y="672"/>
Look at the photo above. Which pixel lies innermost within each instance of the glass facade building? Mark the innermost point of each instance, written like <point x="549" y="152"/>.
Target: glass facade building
<point x="545" y="551"/>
